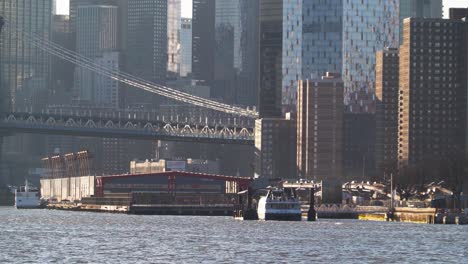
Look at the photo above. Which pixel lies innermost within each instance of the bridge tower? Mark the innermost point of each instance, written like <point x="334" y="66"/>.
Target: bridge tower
<point x="2" y="100"/>
<point x="2" y="104"/>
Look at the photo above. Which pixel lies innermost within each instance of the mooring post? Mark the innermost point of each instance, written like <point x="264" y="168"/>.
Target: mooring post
<point x="312" y="214"/>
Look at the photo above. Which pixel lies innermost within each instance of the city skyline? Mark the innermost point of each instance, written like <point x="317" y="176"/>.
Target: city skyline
<point x="63" y="6"/>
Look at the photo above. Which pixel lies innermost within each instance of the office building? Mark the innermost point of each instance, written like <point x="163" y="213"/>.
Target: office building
<point x="107" y="89"/>
<point x="146" y="55"/>
<point x="96" y="33"/>
<point x="235" y="60"/>
<point x="270" y="58"/>
<point x="320" y="133"/>
<point x="173" y="37"/>
<point x="185" y="47"/>
<point x="62" y="71"/>
<point x="386" y="90"/>
<point x="433" y="89"/>
<point x="247" y="87"/>
<point x="343" y="37"/>
<point x="23" y="64"/>
<point x="227" y="51"/>
<point x="203" y="41"/>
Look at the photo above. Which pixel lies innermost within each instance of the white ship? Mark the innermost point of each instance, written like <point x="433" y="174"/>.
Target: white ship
<point x="279" y="204"/>
<point x="27" y="197"/>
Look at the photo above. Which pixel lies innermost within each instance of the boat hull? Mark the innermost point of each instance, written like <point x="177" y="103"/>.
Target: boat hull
<point x="282" y="217"/>
<point x="27" y="200"/>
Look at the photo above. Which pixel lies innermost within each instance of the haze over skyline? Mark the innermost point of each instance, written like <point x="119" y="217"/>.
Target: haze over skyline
<point x="63" y="6"/>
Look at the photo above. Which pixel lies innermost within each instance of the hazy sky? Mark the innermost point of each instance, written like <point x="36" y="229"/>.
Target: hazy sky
<point x="62" y="6"/>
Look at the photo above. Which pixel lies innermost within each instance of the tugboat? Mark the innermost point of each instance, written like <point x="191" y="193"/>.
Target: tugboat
<point x="279" y="204"/>
<point x="27" y="197"/>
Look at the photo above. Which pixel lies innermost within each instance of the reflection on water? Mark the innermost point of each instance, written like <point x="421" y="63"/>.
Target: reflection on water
<point x="38" y="236"/>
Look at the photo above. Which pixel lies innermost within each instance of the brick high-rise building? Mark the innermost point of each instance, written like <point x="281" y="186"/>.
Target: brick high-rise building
<point x="320" y="111"/>
<point x="386" y="89"/>
<point x="419" y="8"/>
<point x="275" y="147"/>
<point x="433" y="90"/>
<point x="319" y="128"/>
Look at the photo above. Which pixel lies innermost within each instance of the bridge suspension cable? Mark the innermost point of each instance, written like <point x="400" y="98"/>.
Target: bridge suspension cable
<point x="87" y="63"/>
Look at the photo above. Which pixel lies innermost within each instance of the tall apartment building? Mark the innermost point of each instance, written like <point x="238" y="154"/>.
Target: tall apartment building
<point x="338" y="36"/>
<point x="419" y="8"/>
<point x="271" y="55"/>
<point x="275" y="147"/>
<point x="24" y="66"/>
<point x="203" y="41"/>
<point x="185" y="47"/>
<point x="433" y="90"/>
<point x="386" y="90"/>
<point x="173" y="37"/>
<point x="96" y="34"/>
<point x="319" y="128"/>
<point x="320" y="133"/>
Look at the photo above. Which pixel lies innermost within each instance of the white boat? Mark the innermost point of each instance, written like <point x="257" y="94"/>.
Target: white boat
<point x="279" y="204"/>
<point x="27" y="197"/>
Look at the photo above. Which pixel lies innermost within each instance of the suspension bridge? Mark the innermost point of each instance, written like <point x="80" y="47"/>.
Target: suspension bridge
<point x="124" y="127"/>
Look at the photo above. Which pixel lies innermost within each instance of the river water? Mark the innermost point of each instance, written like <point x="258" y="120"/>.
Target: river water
<point x="43" y="236"/>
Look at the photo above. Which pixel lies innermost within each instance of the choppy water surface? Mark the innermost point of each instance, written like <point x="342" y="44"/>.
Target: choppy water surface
<point x="40" y="236"/>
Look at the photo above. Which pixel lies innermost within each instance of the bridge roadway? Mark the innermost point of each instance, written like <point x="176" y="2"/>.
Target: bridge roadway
<point x="116" y="127"/>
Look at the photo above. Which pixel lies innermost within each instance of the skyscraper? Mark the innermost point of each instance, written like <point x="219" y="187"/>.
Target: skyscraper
<point x="339" y="36"/>
<point x="173" y="36"/>
<point x="270" y="58"/>
<point x="386" y="89"/>
<point x="203" y="41"/>
<point x="320" y="133"/>
<point x="185" y="47"/>
<point x="419" y="8"/>
<point x="236" y="36"/>
<point x="432" y="96"/>
<point x="247" y="87"/>
<point x="146" y="46"/>
<point x="62" y="71"/>
<point x="227" y="56"/>
<point x="25" y="66"/>
<point x="96" y="34"/>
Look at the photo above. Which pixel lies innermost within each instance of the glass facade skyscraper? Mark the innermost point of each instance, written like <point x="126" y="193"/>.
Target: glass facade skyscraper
<point x="338" y="36"/>
<point x="236" y="34"/>
<point x="271" y="55"/>
<point x="173" y="36"/>
<point x="146" y="51"/>
<point x="25" y="69"/>
<point x="203" y="41"/>
<point x="96" y="34"/>
<point x="185" y="47"/>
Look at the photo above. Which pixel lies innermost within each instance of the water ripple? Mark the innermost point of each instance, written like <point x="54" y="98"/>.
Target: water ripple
<point x="44" y="236"/>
